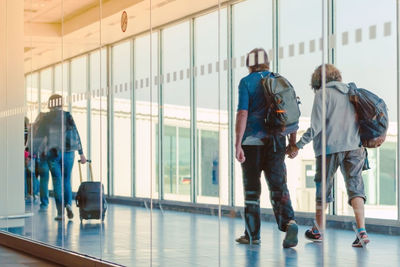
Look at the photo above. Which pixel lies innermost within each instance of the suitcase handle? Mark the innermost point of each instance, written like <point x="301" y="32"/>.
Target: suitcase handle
<point x="90" y="168"/>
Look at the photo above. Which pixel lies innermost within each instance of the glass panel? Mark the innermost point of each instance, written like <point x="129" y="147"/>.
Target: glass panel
<point x="176" y="110"/>
<point x="300" y="55"/>
<point x="98" y="113"/>
<point x="45" y="87"/>
<point x="79" y="88"/>
<point x="121" y="93"/>
<point x="145" y="65"/>
<point x="60" y="77"/>
<point x="246" y="37"/>
<point x="212" y="111"/>
<point x="32" y="95"/>
<point x="357" y="35"/>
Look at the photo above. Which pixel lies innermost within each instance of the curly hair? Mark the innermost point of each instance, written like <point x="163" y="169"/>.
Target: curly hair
<point x="331" y="74"/>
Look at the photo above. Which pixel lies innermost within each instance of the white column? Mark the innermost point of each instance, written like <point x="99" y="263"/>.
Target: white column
<point x="12" y="98"/>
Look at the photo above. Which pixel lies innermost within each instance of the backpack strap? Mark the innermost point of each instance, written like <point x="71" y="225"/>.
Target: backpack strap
<point x="268" y="75"/>
<point x="352" y="88"/>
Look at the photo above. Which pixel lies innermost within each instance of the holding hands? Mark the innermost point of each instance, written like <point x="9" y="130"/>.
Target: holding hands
<point x="292" y="150"/>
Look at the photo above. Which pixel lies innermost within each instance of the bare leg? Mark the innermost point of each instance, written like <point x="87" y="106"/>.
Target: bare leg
<point x="318" y="214"/>
<point x="358" y="207"/>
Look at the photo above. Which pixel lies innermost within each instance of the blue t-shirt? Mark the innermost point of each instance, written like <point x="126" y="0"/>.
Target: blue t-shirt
<point x="252" y="99"/>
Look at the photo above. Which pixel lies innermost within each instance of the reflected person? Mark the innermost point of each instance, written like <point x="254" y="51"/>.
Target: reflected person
<point x="62" y="140"/>
<point x="36" y="144"/>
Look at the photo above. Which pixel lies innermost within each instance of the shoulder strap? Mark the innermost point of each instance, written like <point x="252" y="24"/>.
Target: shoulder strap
<point x="268" y="75"/>
<point x="352" y="88"/>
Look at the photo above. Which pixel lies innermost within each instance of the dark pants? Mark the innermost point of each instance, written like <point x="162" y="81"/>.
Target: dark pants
<point x="61" y="169"/>
<point x="43" y="173"/>
<point x="269" y="158"/>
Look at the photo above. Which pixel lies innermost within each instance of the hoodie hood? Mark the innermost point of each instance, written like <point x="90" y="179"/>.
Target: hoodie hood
<point x="341" y="87"/>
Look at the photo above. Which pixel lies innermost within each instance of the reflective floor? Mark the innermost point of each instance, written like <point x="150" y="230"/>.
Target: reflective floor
<point x="12" y="258"/>
<point x="185" y="239"/>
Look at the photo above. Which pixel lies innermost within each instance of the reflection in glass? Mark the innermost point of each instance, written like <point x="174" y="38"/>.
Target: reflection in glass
<point x="176" y="110"/>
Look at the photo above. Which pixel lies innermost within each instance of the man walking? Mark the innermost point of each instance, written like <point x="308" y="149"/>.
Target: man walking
<point x="257" y="151"/>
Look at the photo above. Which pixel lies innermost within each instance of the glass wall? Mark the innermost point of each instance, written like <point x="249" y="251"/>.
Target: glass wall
<point x="146" y="68"/>
<point x="79" y="89"/>
<point x="155" y="109"/>
<point x="211" y="86"/>
<point x="122" y="130"/>
<point x="98" y="115"/>
<point x="261" y="12"/>
<point x="176" y="111"/>
<point x="356" y="37"/>
<point x="300" y="52"/>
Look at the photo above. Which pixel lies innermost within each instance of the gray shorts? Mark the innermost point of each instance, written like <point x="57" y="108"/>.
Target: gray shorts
<point x="351" y="165"/>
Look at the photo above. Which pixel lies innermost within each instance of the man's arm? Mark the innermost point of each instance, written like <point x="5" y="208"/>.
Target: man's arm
<point x="241" y="121"/>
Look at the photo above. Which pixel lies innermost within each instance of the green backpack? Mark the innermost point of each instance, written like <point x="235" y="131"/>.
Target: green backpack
<point x="283" y="110"/>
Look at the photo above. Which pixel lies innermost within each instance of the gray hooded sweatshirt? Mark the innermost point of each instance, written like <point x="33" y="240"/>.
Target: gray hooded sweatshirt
<point x="342" y="130"/>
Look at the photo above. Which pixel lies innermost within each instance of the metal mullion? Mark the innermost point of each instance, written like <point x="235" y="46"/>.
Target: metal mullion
<point x="199" y="162"/>
<point x="53" y="79"/>
<point x="275" y="34"/>
<point x="231" y="112"/>
<point x="69" y="87"/>
<point x="110" y="124"/>
<point x="133" y="118"/>
<point x="88" y="113"/>
<point x="177" y="157"/>
<point x="332" y="31"/>
<point x="160" y="94"/>
<point x="378" y="176"/>
<point x="331" y="59"/>
<point x="193" y="135"/>
<point x="398" y="108"/>
<point x="39" y="87"/>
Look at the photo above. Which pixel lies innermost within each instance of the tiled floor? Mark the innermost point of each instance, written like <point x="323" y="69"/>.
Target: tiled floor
<point x="133" y="236"/>
<point x="12" y="258"/>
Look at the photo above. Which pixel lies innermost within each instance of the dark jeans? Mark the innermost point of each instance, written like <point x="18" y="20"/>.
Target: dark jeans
<point x="31" y="182"/>
<point x="269" y="158"/>
<point x="61" y="168"/>
<point x="43" y="174"/>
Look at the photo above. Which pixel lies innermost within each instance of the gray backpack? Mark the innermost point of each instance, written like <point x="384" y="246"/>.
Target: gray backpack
<point x="283" y="110"/>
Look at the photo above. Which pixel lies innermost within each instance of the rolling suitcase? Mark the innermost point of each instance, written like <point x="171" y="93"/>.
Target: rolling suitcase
<point x="90" y="197"/>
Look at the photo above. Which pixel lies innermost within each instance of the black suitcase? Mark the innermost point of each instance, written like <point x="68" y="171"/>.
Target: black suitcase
<point x="88" y="198"/>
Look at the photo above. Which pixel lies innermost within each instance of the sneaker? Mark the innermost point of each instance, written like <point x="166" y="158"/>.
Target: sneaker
<point x="313" y="235"/>
<point x="70" y="214"/>
<point x="291" y="235"/>
<point x="43" y="209"/>
<point x="59" y="217"/>
<point x="28" y="199"/>
<point x="361" y="240"/>
<point x="245" y="240"/>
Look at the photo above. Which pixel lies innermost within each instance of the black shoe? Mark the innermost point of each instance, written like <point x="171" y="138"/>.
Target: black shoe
<point x="245" y="240"/>
<point x="291" y="235"/>
<point x="312" y="235"/>
<point x="361" y="240"/>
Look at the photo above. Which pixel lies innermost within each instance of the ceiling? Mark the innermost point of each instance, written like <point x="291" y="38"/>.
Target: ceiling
<point x="50" y="11"/>
<point x="56" y="29"/>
